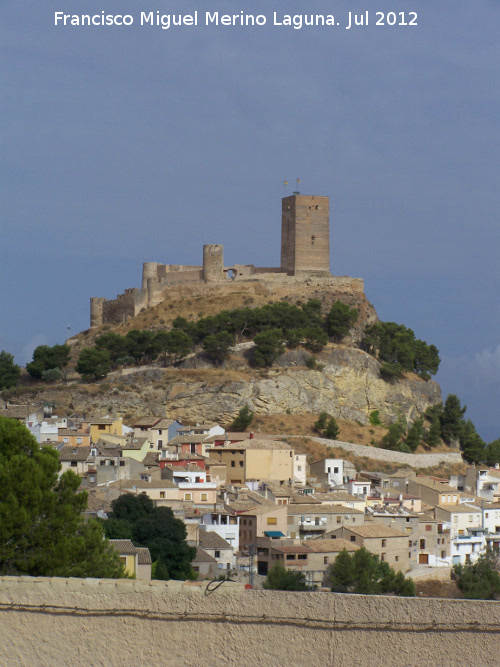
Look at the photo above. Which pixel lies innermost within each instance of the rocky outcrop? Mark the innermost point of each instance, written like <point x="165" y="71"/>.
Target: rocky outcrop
<point x="348" y="386"/>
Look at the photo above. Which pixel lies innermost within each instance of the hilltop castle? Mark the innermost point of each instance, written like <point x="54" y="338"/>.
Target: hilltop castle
<point x="305" y="253"/>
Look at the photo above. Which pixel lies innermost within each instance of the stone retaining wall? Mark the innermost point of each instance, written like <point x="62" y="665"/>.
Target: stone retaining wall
<point x="412" y="460"/>
<point x="104" y="622"/>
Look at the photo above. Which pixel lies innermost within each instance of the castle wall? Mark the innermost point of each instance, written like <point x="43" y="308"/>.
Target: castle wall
<point x="104" y="622"/>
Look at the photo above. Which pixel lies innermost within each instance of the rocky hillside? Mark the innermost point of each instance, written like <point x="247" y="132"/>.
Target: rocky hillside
<point x="346" y="382"/>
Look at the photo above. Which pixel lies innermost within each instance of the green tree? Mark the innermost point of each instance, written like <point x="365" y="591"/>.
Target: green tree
<point x="340" y="320"/>
<point x="175" y="344"/>
<point x="243" y="419"/>
<point x="363" y="572"/>
<point x="282" y="579"/>
<point x="294" y="338"/>
<point x="472" y="445"/>
<point x="415" y="433"/>
<point x="9" y="371"/>
<point x="93" y="363"/>
<point x="392" y="439"/>
<point x="332" y="429"/>
<point x="433" y="435"/>
<point x="479" y="580"/>
<point x="316" y="339"/>
<point x="155" y="528"/>
<point x="374" y="418"/>
<point x="139" y="344"/>
<point x="452" y="419"/>
<point x="52" y="375"/>
<point x="492" y="452"/>
<point x="42" y="530"/>
<point x="217" y="346"/>
<point x="396" y="346"/>
<point x="268" y="346"/>
<point x="321" y="422"/>
<point x="115" y="344"/>
<point x="46" y="357"/>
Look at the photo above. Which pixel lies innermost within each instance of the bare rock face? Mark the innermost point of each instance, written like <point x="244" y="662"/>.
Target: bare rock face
<point x="348" y="386"/>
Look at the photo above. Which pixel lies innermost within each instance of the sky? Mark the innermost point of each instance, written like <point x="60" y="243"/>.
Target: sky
<point x="121" y="145"/>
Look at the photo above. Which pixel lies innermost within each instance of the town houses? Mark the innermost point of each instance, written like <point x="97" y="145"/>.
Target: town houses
<point x="250" y="500"/>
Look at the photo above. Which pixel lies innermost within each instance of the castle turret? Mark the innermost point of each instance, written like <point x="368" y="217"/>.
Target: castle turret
<point x="305" y="235"/>
<point x="96" y="311"/>
<point x="149" y="270"/>
<point x="213" y="263"/>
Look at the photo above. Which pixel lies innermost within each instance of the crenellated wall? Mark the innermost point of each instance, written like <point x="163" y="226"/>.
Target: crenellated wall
<point x="105" y="622"/>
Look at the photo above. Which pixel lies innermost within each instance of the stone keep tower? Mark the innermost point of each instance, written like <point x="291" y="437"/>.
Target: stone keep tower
<point x="305" y="235"/>
<point x="213" y="263"/>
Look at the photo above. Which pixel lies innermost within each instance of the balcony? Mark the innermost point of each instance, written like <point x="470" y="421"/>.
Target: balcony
<point x="313" y="525"/>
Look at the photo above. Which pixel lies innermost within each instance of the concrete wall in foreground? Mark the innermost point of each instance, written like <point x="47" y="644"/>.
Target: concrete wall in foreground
<point x="103" y="622"/>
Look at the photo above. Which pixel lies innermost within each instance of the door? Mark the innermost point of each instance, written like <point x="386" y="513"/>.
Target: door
<point x="423" y="559"/>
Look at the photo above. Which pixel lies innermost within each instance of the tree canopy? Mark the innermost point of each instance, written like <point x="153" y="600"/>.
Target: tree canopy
<point x="396" y="346"/>
<point x="243" y="419"/>
<point x="479" y="580"/>
<point x="281" y="578"/>
<point x="42" y="530"/>
<point x="136" y="518"/>
<point x="46" y="357"/>
<point x="93" y="363"/>
<point x="364" y="572"/>
<point x="9" y="371"/>
<point x="340" y="320"/>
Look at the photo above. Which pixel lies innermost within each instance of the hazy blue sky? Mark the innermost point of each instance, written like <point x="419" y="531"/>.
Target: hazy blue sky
<point x="123" y="145"/>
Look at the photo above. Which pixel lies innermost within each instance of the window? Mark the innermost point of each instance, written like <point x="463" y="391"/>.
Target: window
<point x="339" y="519"/>
<point x="65" y="440"/>
<point x="217" y="554"/>
<point x="455" y="519"/>
<point x="353" y="538"/>
<point x="470" y="518"/>
<point x="428" y="527"/>
<point x="188" y="496"/>
<point x="302" y="556"/>
<point x="78" y="441"/>
<point x="122" y="464"/>
<point x="73" y="464"/>
<point x="241" y="464"/>
<point x="204" y="497"/>
<point x="160" y="444"/>
<point x="382" y="557"/>
<point x="233" y="464"/>
<point x="396" y="558"/>
<point x="162" y="494"/>
<point x="335" y="471"/>
<point x="325" y="560"/>
<point x="160" y="432"/>
<point x="244" y="522"/>
<point x="384" y="543"/>
<point x="443" y="554"/>
<point x="101" y="427"/>
<point x="272" y="521"/>
<point x="486" y="515"/>
<point x="290" y="556"/>
<point x="299" y="468"/>
<point x="422" y="544"/>
<point x="409" y="543"/>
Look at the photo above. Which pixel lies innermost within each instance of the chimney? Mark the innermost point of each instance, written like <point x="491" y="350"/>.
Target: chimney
<point x="252" y="435"/>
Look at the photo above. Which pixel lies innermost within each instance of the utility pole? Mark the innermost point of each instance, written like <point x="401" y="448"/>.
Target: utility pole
<point x="251" y="554"/>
